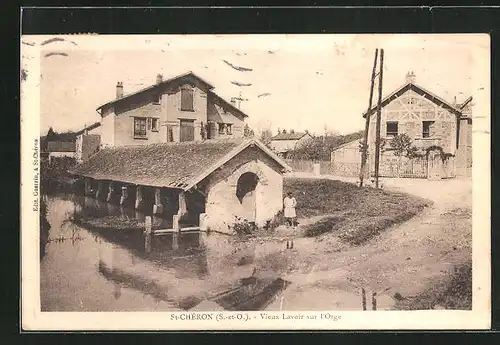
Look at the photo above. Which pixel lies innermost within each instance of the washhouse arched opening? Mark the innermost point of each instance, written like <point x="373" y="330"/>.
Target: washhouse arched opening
<point x="246" y="194"/>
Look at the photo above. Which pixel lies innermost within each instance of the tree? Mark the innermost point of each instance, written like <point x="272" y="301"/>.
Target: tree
<point x="402" y="146"/>
<point x="265" y="137"/>
<point x="247" y="131"/>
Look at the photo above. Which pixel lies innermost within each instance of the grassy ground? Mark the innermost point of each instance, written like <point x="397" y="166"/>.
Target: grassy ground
<point x="354" y="214"/>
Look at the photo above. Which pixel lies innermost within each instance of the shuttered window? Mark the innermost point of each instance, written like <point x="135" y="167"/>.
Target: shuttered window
<point x="187" y="99"/>
<point x="187" y="130"/>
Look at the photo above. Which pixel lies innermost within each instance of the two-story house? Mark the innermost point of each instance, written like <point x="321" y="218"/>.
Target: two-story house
<point x="183" y="108"/>
<point x="427" y="119"/>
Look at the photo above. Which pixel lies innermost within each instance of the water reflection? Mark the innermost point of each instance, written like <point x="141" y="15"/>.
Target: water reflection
<point x="97" y="268"/>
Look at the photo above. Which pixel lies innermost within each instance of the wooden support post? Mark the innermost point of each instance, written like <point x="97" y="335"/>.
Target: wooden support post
<point x="88" y="186"/>
<point x="157" y="207"/>
<point x="138" y="197"/>
<point x="124" y="195"/>
<point x="100" y="189"/>
<point x="364" y="153"/>
<point x="148" y="234"/>
<point x="377" y="127"/>
<point x="111" y="189"/>
<point x="182" y="204"/>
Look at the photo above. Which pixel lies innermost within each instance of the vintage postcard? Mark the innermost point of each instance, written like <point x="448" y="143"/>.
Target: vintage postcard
<point x="255" y="182"/>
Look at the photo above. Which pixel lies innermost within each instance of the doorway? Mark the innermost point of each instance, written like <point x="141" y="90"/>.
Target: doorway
<point x="186" y="130"/>
<point x="247" y="196"/>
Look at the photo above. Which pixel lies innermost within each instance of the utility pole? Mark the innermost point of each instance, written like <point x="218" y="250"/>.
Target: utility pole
<point x="364" y="153"/>
<point x="379" y="109"/>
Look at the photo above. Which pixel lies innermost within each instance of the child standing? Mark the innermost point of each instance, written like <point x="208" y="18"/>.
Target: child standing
<point x="289" y="204"/>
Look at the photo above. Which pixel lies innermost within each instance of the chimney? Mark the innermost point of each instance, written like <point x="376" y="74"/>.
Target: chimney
<point x="159" y="79"/>
<point x="410" y="77"/>
<point x="292" y="131"/>
<point x="233" y="101"/>
<point x="119" y="90"/>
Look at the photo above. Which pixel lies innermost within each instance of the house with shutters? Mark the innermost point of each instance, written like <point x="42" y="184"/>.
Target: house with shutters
<point x="431" y="122"/>
<point x="176" y="150"/>
<point x="179" y="109"/>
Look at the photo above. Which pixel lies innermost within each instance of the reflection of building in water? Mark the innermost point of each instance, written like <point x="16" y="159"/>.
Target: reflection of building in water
<point x="228" y="180"/>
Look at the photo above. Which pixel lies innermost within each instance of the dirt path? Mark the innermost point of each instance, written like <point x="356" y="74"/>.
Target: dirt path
<point x="405" y="259"/>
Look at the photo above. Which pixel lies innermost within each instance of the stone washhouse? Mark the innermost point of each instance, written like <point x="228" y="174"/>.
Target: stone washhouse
<point x="225" y="181"/>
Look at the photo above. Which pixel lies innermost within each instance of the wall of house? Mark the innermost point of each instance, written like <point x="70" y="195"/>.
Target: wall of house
<point x="410" y="110"/>
<point x="222" y="204"/>
<point x="108" y="129"/>
<point x="287" y="145"/>
<point x="87" y="142"/>
<point x="348" y="153"/>
<point x="463" y="159"/>
<point x="410" y="117"/>
<point x="174" y="113"/>
<point x="61" y="154"/>
<point x="90" y="145"/>
<point x="218" y="114"/>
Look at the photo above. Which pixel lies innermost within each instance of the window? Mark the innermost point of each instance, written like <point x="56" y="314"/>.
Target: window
<point x="140" y="127"/>
<point x="154" y="125"/>
<point x="221" y="129"/>
<point x="426" y="128"/>
<point x="392" y="128"/>
<point x="229" y="129"/>
<point x="187" y="98"/>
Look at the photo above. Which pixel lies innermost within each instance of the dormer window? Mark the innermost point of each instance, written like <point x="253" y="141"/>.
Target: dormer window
<point x="187" y="98"/>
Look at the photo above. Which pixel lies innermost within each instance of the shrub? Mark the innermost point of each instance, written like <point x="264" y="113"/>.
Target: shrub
<point x="243" y="226"/>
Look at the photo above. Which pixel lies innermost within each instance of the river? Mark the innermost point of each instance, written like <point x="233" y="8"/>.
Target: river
<point x="106" y="270"/>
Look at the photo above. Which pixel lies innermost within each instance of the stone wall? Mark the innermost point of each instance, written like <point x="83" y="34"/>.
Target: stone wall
<point x="222" y="204"/>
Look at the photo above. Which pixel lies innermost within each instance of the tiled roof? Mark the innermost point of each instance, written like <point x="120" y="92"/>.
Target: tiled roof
<point x="173" y="165"/>
<point x="91" y="127"/>
<point x="170" y="80"/>
<point x="420" y="90"/>
<point x="289" y="136"/>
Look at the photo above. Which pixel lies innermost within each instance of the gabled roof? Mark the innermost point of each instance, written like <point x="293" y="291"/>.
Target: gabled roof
<point x="89" y="128"/>
<point x="347" y="144"/>
<point x="226" y="103"/>
<point x="420" y="90"/>
<point x="172" y="165"/>
<point x="465" y="103"/>
<point x="154" y="86"/>
<point x="289" y="136"/>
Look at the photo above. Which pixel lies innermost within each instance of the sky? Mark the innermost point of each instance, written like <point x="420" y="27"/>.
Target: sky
<point x="314" y="82"/>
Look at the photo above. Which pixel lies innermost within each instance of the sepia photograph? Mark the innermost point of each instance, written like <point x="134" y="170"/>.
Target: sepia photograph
<point x="256" y="181"/>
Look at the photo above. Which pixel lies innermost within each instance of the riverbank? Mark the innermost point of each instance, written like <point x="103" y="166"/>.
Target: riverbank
<point x="412" y="265"/>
